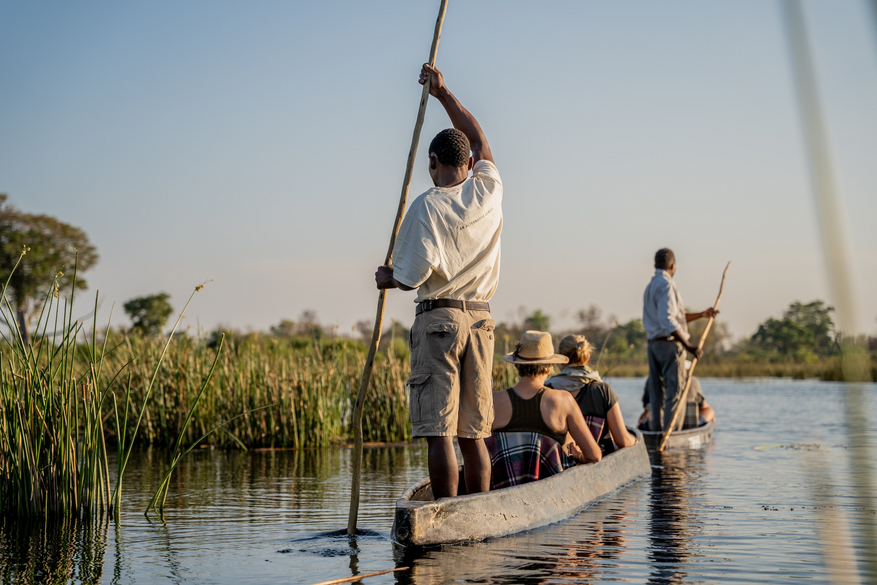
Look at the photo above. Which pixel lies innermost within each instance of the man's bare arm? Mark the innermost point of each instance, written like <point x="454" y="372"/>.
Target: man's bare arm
<point x="460" y="116"/>
<point x="384" y="279"/>
<point x="711" y="312"/>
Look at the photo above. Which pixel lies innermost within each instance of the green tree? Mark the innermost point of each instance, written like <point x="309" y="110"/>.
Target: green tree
<point x="783" y="335"/>
<point x="309" y="325"/>
<point x="537" y="321"/>
<point x="815" y="317"/>
<point x="306" y="326"/>
<point x="283" y="330"/>
<point x="54" y="249"/>
<point x="634" y="334"/>
<point x="804" y="330"/>
<point x="149" y="314"/>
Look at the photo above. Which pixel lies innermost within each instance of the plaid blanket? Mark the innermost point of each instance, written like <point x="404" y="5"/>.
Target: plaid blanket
<point x="691" y="419"/>
<point x="595" y="425"/>
<point x="521" y="457"/>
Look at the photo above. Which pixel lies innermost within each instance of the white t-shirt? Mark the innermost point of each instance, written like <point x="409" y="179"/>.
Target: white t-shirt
<point x="448" y="243"/>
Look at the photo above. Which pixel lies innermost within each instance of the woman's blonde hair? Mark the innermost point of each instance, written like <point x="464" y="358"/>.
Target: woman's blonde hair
<point x="576" y="348"/>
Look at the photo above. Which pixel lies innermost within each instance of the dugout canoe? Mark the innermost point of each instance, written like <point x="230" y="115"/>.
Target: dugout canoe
<point x="687" y="439"/>
<point x="421" y="521"/>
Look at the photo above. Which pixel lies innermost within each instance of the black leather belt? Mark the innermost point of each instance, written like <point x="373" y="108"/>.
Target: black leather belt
<point x="451" y="304"/>
<point x="668" y="338"/>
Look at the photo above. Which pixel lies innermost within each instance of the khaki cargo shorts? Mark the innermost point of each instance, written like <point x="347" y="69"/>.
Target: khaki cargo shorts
<point x="451" y="384"/>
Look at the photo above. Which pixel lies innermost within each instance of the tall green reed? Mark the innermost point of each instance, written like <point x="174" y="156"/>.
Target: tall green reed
<point x="57" y="402"/>
<point x="52" y="451"/>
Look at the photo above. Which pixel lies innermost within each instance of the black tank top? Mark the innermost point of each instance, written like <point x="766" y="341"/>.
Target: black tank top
<point x="527" y="416"/>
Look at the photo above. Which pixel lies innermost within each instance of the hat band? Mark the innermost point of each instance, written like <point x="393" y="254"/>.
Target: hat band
<point x="518" y="356"/>
<point x="526" y="359"/>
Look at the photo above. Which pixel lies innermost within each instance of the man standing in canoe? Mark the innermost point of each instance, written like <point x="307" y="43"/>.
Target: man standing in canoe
<point x="666" y="325"/>
<point x="448" y="248"/>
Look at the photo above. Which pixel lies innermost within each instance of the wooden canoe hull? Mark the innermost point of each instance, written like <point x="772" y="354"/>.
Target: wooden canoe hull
<point x="685" y="439"/>
<point x="421" y="521"/>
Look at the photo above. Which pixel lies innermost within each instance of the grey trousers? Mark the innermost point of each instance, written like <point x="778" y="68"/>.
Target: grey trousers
<point x="666" y="382"/>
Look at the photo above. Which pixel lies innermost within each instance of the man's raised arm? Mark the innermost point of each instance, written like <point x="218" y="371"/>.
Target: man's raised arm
<point x="460" y="116"/>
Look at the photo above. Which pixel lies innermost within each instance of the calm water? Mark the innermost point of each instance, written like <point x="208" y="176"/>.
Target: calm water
<point x="743" y="509"/>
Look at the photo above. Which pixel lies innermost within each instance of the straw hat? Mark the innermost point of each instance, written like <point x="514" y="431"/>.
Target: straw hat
<point x="535" y="348"/>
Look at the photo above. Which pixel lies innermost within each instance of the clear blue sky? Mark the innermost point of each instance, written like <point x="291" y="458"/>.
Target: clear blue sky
<point x="263" y="145"/>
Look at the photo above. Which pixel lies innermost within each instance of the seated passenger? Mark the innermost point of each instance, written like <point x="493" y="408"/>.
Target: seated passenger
<point x="531" y="422"/>
<point x="698" y="408"/>
<point x="596" y="399"/>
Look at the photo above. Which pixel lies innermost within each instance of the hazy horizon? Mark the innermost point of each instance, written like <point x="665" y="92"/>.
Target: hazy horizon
<point x="263" y="146"/>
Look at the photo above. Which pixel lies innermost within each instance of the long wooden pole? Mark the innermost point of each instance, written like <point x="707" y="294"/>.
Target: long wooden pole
<point x="359" y="577"/>
<point x="382" y="296"/>
<point x="684" y="398"/>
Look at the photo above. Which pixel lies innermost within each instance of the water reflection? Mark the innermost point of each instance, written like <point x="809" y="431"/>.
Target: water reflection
<point x="585" y="548"/>
<point x="36" y="553"/>
<point x="118" y="556"/>
<point x="673" y="506"/>
<point x="601" y="549"/>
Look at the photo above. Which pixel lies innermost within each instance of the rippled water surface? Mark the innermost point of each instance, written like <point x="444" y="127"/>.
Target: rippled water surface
<point x="742" y="509"/>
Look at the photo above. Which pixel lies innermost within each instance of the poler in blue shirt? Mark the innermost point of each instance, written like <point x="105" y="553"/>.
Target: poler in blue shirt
<point x="666" y="325"/>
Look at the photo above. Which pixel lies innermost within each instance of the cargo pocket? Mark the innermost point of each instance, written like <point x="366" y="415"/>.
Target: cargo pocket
<point x="482" y="335"/>
<point x="422" y="403"/>
<point x="442" y="336"/>
<point x="487" y="326"/>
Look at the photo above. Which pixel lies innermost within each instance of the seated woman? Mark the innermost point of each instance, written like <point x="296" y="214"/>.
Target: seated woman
<point x="531" y="422"/>
<point x="596" y="399"/>
<point x="698" y="411"/>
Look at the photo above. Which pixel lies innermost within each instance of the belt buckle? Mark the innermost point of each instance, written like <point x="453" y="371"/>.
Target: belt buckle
<point x="427" y="306"/>
<point x="464" y="305"/>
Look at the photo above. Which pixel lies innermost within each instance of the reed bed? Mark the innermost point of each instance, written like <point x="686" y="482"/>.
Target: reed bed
<point x="60" y="398"/>
<point x="53" y="455"/>
<point x="300" y="392"/>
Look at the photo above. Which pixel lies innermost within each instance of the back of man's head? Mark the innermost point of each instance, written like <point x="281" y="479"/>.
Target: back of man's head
<point x="451" y="148"/>
<point x="664" y="259"/>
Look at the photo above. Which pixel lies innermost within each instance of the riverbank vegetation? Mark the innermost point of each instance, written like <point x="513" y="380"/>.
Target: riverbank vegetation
<point x="299" y="382"/>
<point x="303" y="382"/>
<point x="802" y="343"/>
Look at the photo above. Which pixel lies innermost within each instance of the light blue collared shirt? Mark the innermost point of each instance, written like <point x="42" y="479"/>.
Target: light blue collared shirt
<point x="663" y="309"/>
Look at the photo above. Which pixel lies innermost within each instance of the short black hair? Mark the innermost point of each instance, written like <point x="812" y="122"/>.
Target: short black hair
<point x="664" y="258"/>
<point x="532" y="370"/>
<point x="451" y="148"/>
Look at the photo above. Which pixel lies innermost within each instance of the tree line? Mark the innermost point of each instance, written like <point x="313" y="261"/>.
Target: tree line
<point x="40" y="255"/>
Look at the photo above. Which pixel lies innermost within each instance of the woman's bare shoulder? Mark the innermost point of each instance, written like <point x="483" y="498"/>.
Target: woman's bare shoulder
<point x="560" y="398"/>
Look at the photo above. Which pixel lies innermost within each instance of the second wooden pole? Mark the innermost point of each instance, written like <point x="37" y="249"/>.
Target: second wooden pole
<point x="684" y="398"/>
